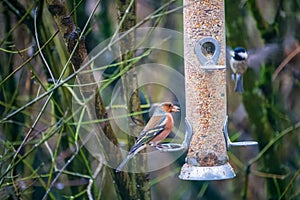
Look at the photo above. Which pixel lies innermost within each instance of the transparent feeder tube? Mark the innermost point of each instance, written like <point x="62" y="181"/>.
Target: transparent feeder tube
<point x="208" y="146"/>
<point x="205" y="86"/>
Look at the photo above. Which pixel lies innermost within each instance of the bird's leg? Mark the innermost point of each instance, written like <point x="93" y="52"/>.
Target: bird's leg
<point x="232" y="76"/>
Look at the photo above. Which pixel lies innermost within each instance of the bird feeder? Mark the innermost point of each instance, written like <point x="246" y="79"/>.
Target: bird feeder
<point x="205" y="86"/>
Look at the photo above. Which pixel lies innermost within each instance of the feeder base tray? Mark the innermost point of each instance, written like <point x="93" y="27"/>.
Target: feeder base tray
<point x="196" y="173"/>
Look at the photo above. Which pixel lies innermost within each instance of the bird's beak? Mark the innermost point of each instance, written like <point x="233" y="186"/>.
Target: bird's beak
<point x="176" y="109"/>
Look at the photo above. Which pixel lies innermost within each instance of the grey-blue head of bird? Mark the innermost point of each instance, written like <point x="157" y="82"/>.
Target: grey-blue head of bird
<point x="169" y="107"/>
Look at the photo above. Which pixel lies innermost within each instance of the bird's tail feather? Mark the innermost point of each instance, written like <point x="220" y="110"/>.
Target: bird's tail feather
<point x="134" y="150"/>
<point x="239" y="87"/>
<point x="123" y="163"/>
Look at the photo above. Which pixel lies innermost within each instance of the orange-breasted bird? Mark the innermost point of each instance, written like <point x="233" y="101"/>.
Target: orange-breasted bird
<point x="157" y="129"/>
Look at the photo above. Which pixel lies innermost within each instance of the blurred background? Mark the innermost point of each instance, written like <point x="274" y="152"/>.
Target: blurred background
<point x="40" y="153"/>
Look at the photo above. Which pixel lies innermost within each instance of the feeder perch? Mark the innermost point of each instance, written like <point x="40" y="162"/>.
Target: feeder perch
<point x="169" y="147"/>
<point x="235" y="144"/>
<point x="205" y="86"/>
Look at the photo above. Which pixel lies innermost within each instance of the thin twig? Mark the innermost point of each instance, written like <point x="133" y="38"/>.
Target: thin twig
<point x="77" y="43"/>
<point x="91" y="180"/>
<point x="285" y="62"/>
<point x="75" y="73"/>
<point x="39" y="47"/>
<point x="263" y="151"/>
<point x="12" y="165"/>
<point x="292" y="181"/>
<point x="27" y="135"/>
<point x="60" y="171"/>
<point x="272" y="142"/>
<point x="27" y="61"/>
<point x="127" y="11"/>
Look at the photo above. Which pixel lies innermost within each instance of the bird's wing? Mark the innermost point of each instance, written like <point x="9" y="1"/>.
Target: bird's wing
<point x="155" y="126"/>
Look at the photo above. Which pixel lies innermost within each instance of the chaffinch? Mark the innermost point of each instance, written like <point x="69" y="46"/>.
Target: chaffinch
<point x="157" y="129"/>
